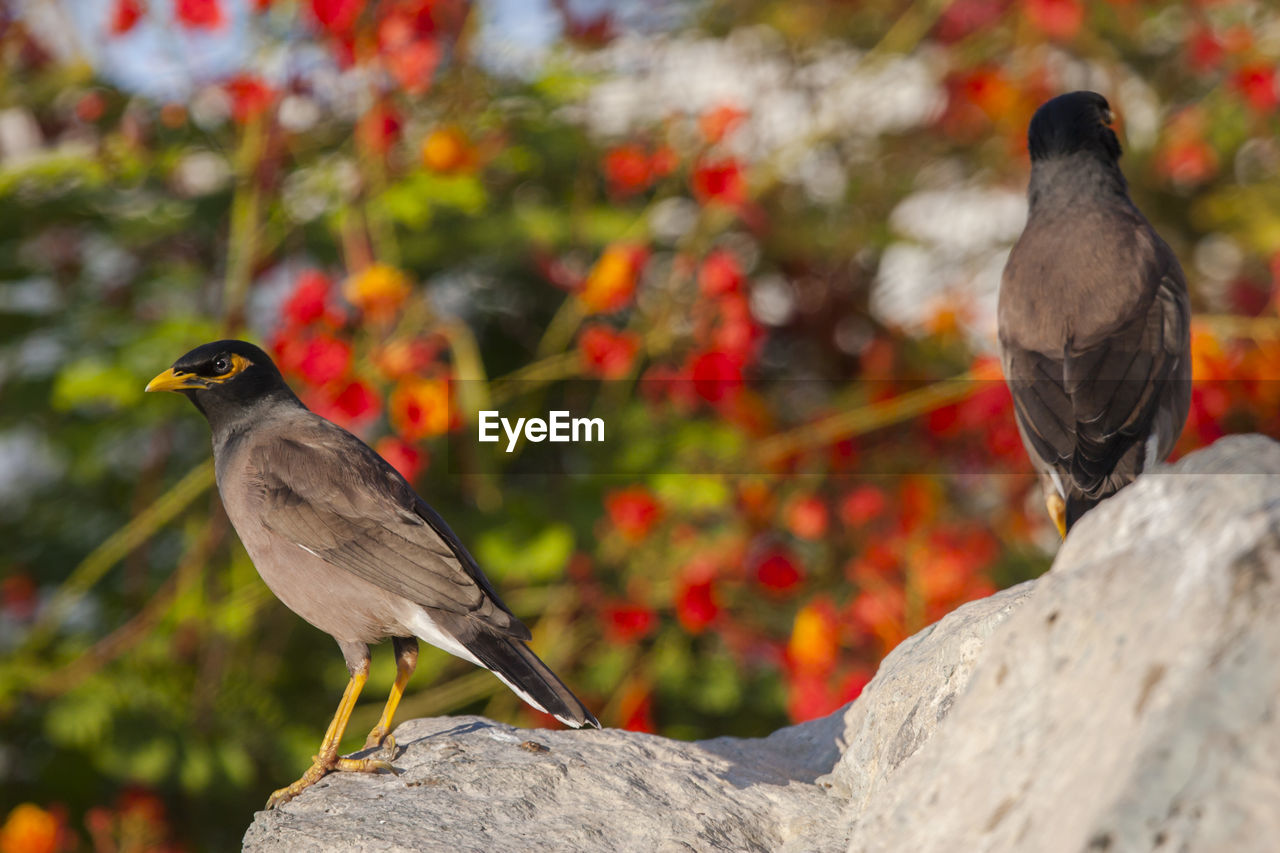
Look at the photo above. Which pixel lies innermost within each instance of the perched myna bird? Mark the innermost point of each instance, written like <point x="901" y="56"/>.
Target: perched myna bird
<point x="344" y="541"/>
<point x="1094" y="317"/>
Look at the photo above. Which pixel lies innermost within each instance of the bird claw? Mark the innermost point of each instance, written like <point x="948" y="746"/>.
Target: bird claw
<point x="320" y="767"/>
<point x="363" y="765"/>
<point x="383" y="742"/>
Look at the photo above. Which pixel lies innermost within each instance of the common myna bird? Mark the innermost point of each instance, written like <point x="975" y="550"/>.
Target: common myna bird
<point x="344" y="541"/>
<point x="1094" y="318"/>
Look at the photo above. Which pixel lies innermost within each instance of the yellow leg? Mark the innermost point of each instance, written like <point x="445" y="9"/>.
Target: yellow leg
<point x="1058" y="512"/>
<point x="406" y="660"/>
<point x="328" y="759"/>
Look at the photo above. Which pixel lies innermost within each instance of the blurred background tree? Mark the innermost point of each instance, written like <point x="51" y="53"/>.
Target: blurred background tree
<point x="761" y="239"/>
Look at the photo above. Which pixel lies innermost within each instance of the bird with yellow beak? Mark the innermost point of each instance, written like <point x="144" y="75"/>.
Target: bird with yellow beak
<point x="344" y="541"/>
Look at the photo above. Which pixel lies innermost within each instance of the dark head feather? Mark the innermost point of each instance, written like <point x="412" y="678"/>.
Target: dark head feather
<point x="230" y="380"/>
<point x="1076" y="121"/>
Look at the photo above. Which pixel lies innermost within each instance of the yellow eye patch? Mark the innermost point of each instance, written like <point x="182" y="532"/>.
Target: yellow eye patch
<point x="238" y="365"/>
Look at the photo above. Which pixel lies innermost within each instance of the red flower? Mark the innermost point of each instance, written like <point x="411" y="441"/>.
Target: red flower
<point x="736" y="334"/>
<point x="627" y="169"/>
<point x="608" y="353"/>
<point x="1204" y="50"/>
<point x="720" y="182"/>
<point x="719" y="273"/>
<point x="403" y="456"/>
<point x="337" y="16"/>
<point x="90" y="107"/>
<point x="200" y="14"/>
<point x="379" y="128"/>
<point x="410" y="55"/>
<point x="963" y="17"/>
<point x="634" y="511"/>
<point x="309" y="299"/>
<point x="250" y="97"/>
<point x="1058" y="19"/>
<point x="720" y="122"/>
<point x="1258" y="85"/>
<point x="627" y="623"/>
<point x="324" y="359"/>
<point x="357" y="401"/>
<point x="778" y="572"/>
<point x="863" y="504"/>
<point x="125" y="16"/>
<point x="810" y="697"/>
<point x="881" y="612"/>
<point x="19" y="596"/>
<point x="807" y="517"/>
<point x="635" y="709"/>
<point x="696" y="606"/>
<point x="663" y="162"/>
<point x="716" y="376"/>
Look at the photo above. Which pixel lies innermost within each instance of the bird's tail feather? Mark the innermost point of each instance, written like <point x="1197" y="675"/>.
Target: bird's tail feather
<point x="531" y="679"/>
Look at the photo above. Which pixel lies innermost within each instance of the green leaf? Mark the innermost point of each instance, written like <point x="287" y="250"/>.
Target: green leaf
<point x="91" y="382"/>
<point x="692" y="493"/>
<point x="534" y="556"/>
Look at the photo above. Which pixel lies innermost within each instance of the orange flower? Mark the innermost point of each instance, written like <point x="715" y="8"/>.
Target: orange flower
<point x="627" y="169"/>
<point x="379" y="291"/>
<point x="807" y="517"/>
<point x="815" y="638"/>
<point x="1186" y="157"/>
<point x="401" y="357"/>
<point x="720" y="122"/>
<point x="612" y="281"/>
<point x="447" y="150"/>
<point x="420" y="408"/>
<point x="29" y="829"/>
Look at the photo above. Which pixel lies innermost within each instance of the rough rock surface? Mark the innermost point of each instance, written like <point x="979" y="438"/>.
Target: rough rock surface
<point x="469" y="784"/>
<point x="1125" y="701"/>
<point x="1130" y="703"/>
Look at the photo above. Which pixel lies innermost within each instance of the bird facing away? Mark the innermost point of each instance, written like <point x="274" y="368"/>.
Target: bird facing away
<point x="344" y="541"/>
<point x="1094" y="318"/>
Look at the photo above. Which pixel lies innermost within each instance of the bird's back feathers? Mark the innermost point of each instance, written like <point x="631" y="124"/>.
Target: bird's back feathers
<point x="1094" y="324"/>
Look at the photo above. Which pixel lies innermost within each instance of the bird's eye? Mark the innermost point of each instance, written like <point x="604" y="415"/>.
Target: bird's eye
<point x="221" y="364"/>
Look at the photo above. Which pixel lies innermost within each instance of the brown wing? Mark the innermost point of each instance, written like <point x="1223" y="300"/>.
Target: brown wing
<point x="327" y="492"/>
<point x="1087" y="412"/>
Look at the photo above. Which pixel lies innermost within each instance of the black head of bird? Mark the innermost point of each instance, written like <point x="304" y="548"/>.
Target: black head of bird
<point x="346" y="543"/>
<point x="226" y="380"/>
<point x="1074" y="123"/>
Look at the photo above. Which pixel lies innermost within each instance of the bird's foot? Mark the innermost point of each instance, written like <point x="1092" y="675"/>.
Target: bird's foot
<point x="1058" y="512"/>
<point x="321" y="766"/>
<point x="382" y="742"/>
<point x="378" y="737"/>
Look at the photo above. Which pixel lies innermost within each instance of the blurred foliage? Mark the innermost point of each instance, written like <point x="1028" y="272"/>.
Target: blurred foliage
<point x="793" y="481"/>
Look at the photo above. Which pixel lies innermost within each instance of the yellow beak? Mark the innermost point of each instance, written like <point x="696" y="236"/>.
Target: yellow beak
<point x="176" y="380"/>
